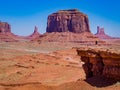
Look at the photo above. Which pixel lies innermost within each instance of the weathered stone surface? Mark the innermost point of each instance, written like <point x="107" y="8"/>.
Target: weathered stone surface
<point x="5" y="27"/>
<point x="101" y="33"/>
<point x="100" y="62"/>
<point x="68" y="20"/>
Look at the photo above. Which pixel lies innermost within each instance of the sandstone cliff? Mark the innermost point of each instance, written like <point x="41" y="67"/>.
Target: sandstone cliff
<point x="68" y="20"/>
<point x="100" y="62"/>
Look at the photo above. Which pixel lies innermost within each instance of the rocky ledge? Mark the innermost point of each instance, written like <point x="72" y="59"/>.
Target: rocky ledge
<point x="99" y="62"/>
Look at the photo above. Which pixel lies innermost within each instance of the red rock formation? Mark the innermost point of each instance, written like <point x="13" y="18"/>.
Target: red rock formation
<point x="69" y="26"/>
<point x="68" y="20"/>
<point x="85" y="38"/>
<point x="100" y="62"/>
<point x="35" y="34"/>
<point x="101" y="34"/>
<point x="5" y="33"/>
<point x="5" y="27"/>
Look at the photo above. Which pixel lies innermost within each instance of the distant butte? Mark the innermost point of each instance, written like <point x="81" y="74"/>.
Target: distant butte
<point x="5" y="33"/>
<point x="101" y="33"/>
<point x="35" y="34"/>
<point x="7" y="36"/>
<point x="5" y="27"/>
<point x="68" y="21"/>
<point x="64" y="25"/>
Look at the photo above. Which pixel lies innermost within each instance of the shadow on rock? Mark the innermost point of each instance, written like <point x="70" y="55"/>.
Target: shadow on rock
<point x="100" y="81"/>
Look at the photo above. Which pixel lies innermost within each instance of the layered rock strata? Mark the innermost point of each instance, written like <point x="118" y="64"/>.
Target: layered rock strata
<point x="68" y="21"/>
<point x="99" y="62"/>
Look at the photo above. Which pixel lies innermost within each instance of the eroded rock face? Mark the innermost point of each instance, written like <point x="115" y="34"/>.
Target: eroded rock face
<point x="100" y="62"/>
<point x="5" y="27"/>
<point x="68" y="20"/>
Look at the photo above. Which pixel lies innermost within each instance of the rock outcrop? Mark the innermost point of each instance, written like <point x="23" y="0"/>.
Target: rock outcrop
<point x="68" y="21"/>
<point x="5" y="27"/>
<point x="35" y="34"/>
<point x="69" y="26"/>
<point x="7" y="36"/>
<point x="5" y="33"/>
<point x="101" y="34"/>
<point x="100" y="62"/>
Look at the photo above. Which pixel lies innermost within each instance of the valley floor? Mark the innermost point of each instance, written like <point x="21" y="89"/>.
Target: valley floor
<point x="47" y="66"/>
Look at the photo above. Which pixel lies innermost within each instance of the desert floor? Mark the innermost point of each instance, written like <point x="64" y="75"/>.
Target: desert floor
<point x="48" y="66"/>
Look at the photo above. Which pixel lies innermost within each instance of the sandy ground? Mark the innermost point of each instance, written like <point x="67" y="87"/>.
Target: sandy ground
<point x="47" y="66"/>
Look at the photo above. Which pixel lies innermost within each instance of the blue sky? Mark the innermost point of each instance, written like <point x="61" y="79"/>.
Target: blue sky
<point x="23" y="15"/>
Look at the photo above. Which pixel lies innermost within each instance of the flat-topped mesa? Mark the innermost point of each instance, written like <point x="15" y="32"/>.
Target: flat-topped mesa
<point x="5" y="33"/>
<point x="68" y="21"/>
<point x="5" y="27"/>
